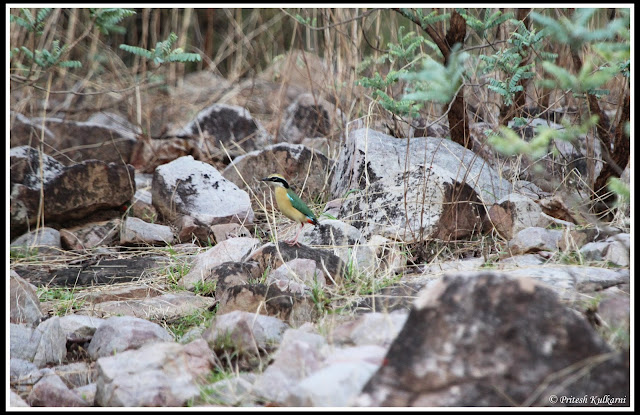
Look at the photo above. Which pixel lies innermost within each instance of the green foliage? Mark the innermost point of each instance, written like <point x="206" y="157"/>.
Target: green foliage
<point x="481" y="26"/>
<point x="319" y="297"/>
<point x="406" y="54"/>
<point x="47" y="59"/>
<point x="621" y="189"/>
<point x="181" y="325"/>
<point x="525" y="46"/>
<point x="508" y="142"/>
<point x="177" y="269"/>
<point x="576" y="30"/>
<point x="425" y="20"/>
<point x="63" y="298"/>
<point x="436" y="82"/>
<point x="207" y="288"/>
<point x="163" y="52"/>
<point x="306" y="21"/>
<point x="587" y="80"/>
<point x="107" y="19"/>
<point x="32" y="24"/>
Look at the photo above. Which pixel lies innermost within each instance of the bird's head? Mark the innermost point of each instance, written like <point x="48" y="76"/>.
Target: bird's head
<point x="276" y="180"/>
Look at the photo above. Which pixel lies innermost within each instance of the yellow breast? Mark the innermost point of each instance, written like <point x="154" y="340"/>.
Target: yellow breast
<point x="285" y="206"/>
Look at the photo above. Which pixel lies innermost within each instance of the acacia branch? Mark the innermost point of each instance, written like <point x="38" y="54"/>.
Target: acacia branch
<point x="433" y="33"/>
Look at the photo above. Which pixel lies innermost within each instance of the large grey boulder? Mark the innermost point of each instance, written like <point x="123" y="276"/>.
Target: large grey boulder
<point x="225" y="125"/>
<point x="190" y="187"/>
<point x="484" y="339"/>
<point x="415" y="189"/>
<point x="70" y="193"/>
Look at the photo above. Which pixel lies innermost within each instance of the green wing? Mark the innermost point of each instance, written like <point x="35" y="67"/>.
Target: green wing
<point x="300" y="205"/>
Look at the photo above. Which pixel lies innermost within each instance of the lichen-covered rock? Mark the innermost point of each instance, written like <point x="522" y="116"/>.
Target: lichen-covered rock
<point x="159" y="374"/>
<point x="307" y="116"/>
<point x="72" y="192"/>
<point x="344" y="240"/>
<point x="228" y="125"/>
<point x="190" y="187"/>
<point x="413" y="190"/>
<point x="483" y="339"/>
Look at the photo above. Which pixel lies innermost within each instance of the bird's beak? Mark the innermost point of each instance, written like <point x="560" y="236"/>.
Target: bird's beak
<point x="266" y="179"/>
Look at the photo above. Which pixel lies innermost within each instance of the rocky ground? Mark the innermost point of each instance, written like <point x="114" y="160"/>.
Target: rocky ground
<point x="433" y="279"/>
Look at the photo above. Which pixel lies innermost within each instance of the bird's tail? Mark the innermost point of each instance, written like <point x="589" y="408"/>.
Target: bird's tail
<point x="313" y="221"/>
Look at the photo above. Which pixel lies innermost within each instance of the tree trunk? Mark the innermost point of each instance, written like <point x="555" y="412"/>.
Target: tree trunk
<point x="618" y="160"/>
<point x="458" y="125"/>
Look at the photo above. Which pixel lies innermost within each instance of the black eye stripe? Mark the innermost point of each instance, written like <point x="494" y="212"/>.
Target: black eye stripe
<point x="280" y="180"/>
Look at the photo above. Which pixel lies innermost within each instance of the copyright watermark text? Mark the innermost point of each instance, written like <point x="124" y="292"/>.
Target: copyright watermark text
<point x="587" y="400"/>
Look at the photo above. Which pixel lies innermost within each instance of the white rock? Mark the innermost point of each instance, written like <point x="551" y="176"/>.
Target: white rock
<point x="401" y="192"/>
<point x="535" y="239"/>
<point x="333" y="386"/>
<point x="137" y="231"/>
<point x="158" y="374"/>
<point x="245" y="332"/>
<point x="189" y="187"/>
<point x="117" y="334"/>
<point x="229" y="250"/>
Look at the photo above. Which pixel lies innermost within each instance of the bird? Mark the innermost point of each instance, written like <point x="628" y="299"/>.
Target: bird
<point x="290" y="204"/>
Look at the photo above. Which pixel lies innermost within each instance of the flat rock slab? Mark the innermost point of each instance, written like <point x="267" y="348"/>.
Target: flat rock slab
<point x="93" y="272"/>
<point x="162" y="307"/>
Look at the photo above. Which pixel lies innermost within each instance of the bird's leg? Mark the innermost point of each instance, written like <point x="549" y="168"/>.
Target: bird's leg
<point x="295" y="241"/>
